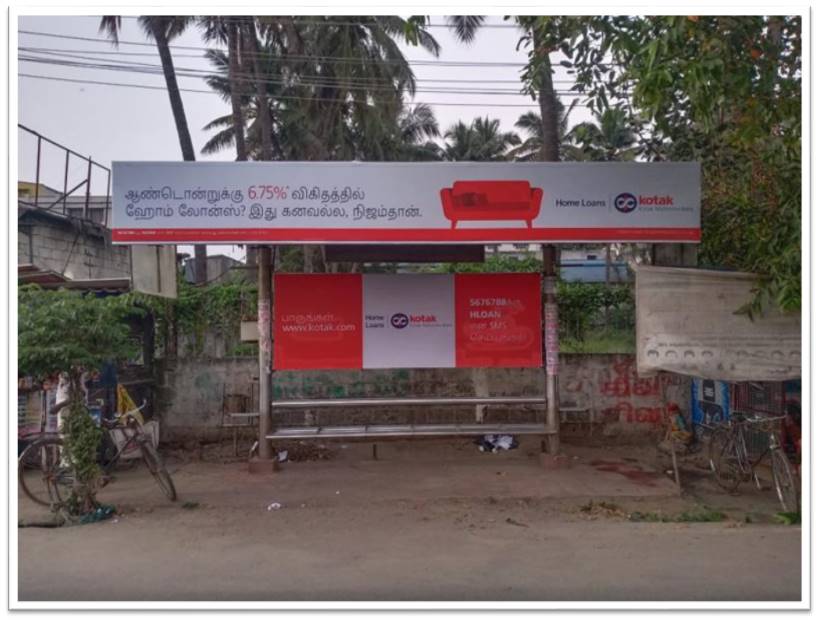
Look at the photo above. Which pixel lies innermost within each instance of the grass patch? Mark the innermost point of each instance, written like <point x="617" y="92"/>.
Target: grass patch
<point x="602" y="341"/>
<point x="788" y="518"/>
<point x="190" y="505"/>
<point x="698" y="515"/>
<point x="604" y="509"/>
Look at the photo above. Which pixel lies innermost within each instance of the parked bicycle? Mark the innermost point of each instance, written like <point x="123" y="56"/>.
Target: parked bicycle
<point x="51" y="482"/>
<point x="732" y="460"/>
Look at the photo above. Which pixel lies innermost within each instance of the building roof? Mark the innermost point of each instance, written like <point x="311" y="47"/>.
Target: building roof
<point x="47" y="279"/>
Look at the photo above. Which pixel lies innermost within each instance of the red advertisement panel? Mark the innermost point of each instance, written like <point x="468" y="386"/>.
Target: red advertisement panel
<point x="498" y="320"/>
<point x="318" y="321"/>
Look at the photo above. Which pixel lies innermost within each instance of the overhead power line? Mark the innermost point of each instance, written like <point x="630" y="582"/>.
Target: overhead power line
<point x="68" y="52"/>
<point x="327" y="59"/>
<point x="283" y="97"/>
<point x="332" y="22"/>
<point x="248" y="79"/>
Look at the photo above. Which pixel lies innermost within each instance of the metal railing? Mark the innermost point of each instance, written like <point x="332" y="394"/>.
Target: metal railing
<point x="62" y="200"/>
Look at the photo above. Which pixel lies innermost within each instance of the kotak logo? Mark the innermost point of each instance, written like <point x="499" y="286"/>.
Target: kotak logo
<point x="625" y="203"/>
<point x="399" y="320"/>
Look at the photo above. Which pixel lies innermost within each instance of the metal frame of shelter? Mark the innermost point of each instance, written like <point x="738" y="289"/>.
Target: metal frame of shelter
<point x="269" y="433"/>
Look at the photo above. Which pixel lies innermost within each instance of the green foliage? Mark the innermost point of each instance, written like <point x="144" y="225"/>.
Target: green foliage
<point x="331" y="111"/>
<point x="60" y="331"/>
<point x="217" y="307"/>
<point x="66" y="331"/>
<point x="701" y="514"/>
<point x="81" y="440"/>
<point x="606" y="340"/>
<point x="481" y="140"/>
<point x="724" y="91"/>
<point x="788" y="518"/>
<point x="244" y="349"/>
<point x="581" y="304"/>
<point x="495" y="263"/>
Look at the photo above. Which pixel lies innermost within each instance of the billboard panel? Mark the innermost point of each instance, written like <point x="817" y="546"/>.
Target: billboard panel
<point x="439" y="202"/>
<point x="407" y="321"/>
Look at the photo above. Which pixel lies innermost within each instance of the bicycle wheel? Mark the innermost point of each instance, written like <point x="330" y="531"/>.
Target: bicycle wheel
<point x="158" y="470"/>
<point x="43" y="478"/>
<point x="727" y="466"/>
<point x="785" y="483"/>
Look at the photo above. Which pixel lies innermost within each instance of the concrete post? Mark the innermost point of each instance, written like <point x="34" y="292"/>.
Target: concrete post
<point x="265" y="460"/>
<point x="552" y="417"/>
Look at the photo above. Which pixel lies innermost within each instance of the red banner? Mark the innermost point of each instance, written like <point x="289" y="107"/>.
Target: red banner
<point x="318" y="321"/>
<point x="498" y="320"/>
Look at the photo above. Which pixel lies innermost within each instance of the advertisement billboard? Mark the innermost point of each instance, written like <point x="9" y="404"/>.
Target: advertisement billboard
<point x="354" y="321"/>
<point x="429" y="202"/>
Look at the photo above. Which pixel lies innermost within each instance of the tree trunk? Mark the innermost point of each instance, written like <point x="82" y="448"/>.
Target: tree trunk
<point x="261" y="92"/>
<point x="185" y="142"/>
<point x="233" y="51"/>
<point x="550" y="150"/>
<point x="548" y="111"/>
<point x="188" y="154"/>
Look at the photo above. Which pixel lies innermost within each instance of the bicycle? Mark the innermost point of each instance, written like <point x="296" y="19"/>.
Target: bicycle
<point x="55" y="480"/>
<point x="731" y="462"/>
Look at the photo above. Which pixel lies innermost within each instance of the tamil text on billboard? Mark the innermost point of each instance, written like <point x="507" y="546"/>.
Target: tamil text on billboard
<point x="441" y="202"/>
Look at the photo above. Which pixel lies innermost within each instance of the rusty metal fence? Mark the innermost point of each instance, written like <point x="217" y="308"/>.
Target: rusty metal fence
<point x="61" y="203"/>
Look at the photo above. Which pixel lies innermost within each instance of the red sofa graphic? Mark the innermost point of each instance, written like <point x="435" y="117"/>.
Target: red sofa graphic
<point x="491" y="200"/>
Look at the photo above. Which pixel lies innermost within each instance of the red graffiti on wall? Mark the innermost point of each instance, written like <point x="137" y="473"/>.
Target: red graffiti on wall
<point x="627" y="383"/>
<point x="626" y="412"/>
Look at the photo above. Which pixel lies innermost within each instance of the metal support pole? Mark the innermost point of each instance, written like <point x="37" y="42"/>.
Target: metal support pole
<point x="65" y="183"/>
<point x="88" y="190"/>
<point x="265" y="352"/>
<point x="552" y="412"/>
<point x="37" y="176"/>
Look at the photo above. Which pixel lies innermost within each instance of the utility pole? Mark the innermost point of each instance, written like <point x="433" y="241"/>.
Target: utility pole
<point x="549" y="151"/>
<point x="266" y="460"/>
<point x="550" y="260"/>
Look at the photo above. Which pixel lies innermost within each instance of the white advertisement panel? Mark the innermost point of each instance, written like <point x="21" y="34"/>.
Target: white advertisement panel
<point x="434" y="202"/>
<point x="686" y="322"/>
<point x="408" y="318"/>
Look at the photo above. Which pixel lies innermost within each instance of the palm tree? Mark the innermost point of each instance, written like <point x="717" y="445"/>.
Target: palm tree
<point x="163" y="29"/>
<point x="228" y="30"/>
<point x="338" y="109"/>
<point x="417" y="126"/>
<point x="366" y="82"/>
<point x="482" y="140"/>
<point x="610" y="138"/>
<point x="465" y="28"/>
<point x="531" y="124"/>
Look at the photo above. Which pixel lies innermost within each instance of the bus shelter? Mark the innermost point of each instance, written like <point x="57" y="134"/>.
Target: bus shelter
<point x="365" y="321"/>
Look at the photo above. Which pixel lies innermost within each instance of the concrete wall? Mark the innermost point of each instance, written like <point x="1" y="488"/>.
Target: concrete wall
<point x="78" y="251"/>
<point x="601" y="394"/>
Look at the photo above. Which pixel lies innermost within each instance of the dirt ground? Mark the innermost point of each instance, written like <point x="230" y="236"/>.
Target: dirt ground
<point x="427" y="521"/>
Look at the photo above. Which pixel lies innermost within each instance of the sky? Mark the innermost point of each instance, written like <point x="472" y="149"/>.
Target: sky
<point x="111" y="123"/>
